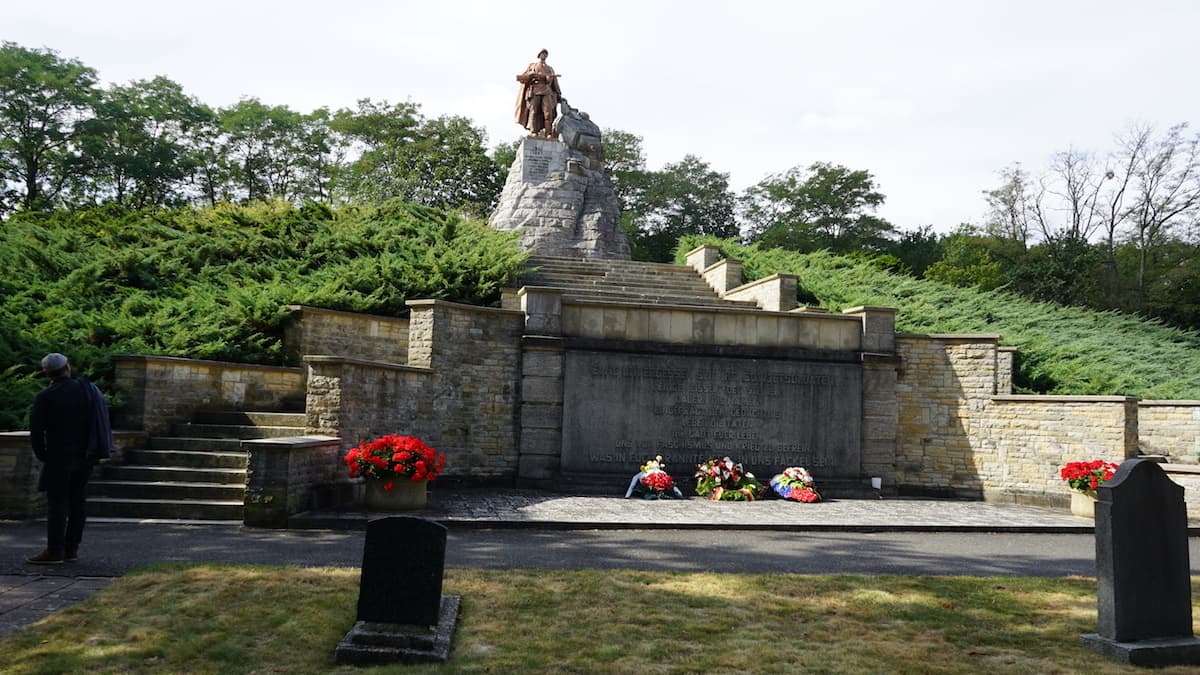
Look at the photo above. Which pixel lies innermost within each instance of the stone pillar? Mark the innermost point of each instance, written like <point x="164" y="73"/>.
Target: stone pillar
<point x="543" y="311"/>
<point x="542" y="366"/>
<point x="1006" y="358"/>
<point x="879" y="328"/>
<point x="881" y="419"/>
<point x="702" y="257"/>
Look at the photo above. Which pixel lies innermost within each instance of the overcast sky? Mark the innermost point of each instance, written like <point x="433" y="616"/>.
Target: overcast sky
<point x="933" y="97"/>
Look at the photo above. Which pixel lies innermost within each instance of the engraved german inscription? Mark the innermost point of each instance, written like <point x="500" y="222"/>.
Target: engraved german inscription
<point x="620" y="408"/>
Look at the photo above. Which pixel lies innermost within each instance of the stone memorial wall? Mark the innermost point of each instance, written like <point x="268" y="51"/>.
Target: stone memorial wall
<point x="621" y="408"/>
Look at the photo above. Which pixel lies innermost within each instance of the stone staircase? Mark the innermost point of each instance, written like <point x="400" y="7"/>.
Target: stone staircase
<point x="624" y="281"/>
<point x="197" y="474"/>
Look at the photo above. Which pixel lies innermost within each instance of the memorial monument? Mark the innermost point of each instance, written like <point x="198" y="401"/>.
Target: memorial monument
<point x="558" y="193"/>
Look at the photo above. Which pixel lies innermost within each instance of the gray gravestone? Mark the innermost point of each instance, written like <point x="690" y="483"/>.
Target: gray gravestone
<point x="1143" y="594"/>
<point x="401" y="582"/>
<point x="402" y="614"/>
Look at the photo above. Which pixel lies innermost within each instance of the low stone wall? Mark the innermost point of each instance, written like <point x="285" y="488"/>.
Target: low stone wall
<point x="1021" y="442"/>
<point x="1170" y="429"/>
<point x="291" y="475"/>
<point x="314" y="330"/>
<point x="459" y="392"/>
<point x="161" y="390"/>
<point x="710" y="326"/>
<point x="19" y="469"/>
<point x="943" y="382"/>
<point x="776" y="293"/>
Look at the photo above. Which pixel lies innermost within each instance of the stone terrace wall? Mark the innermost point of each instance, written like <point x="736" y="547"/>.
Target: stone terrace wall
<point x="19" y="469"/>
<point x="944" y="382"/>
<point x="1021" y="442"/>
<point x="318" y="331"/>
<point x="1170" y="428"/>
<point x="161" y="390"/>
<point x="459" y="392"/>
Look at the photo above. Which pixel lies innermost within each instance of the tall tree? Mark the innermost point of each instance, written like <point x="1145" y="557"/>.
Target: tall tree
<point x="136" y="150"/>
<point x="43" y="97"/>
<point x="686" y="197"/>
<point x="1166" y="179"/>
<point x="1008" y="205"/>
<point x="821" y="206"/>
<point x="441" y="162"/>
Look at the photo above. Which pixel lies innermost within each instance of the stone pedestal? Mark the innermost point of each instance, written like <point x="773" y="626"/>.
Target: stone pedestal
<point x="563" y="203"/>
<point x="405" y="495"/>
<point x="1083" y="505"/>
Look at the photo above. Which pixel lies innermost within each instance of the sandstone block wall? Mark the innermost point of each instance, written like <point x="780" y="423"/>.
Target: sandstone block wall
<point x="944" y="381"/>
<point x="710" y="326"/>
<point x="160" y="390"/>
<point x="19" y="469"/>
<point x="776" y="293"/>
<point x="318" y="331"/>
<point x="290" y="475"/>
<point x="1170" y="428"/>
<point x="19" y="497"/>
<point x="1021" y="442"/>
<point x="459" y="393"/>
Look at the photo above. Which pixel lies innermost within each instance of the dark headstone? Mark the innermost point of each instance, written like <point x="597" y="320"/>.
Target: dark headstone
<point x="1142" y="569"/>
<point x="402" y="614"/>
<point x="403" y="560"/>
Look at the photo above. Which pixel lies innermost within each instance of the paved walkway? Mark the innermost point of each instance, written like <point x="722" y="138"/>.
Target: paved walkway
<point x="29" y="592"/>
<point x="530" y="508"/>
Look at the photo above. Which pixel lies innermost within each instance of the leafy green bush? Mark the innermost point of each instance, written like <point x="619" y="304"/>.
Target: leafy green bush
<point x="1062" y="350"/>
<point x="214" y="283"/>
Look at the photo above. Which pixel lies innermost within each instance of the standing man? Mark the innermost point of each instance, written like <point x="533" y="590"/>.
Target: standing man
<point x="58" y="428"/>
<point x="537" y="100"/>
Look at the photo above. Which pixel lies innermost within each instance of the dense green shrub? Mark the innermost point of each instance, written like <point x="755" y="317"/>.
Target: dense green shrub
<point x="214" y="283"/>
<point x="1062" y="350"/>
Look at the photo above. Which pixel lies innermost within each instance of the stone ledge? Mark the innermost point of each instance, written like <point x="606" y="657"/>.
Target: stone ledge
<point x="145" y="358"/>
<point x="467" y="308"/>
<point x="955" y="337"/>
<point x="868" y="308"/>
<point x="342" y="312"/>
<point x="1190" y="469"/>
<point x="1169" y="403"/>
<point x="322" y="358"/>
<point x="292" y="442"/>
<point x="701" y="309"/>
<point x="1038" y="398"/>
<point x="774" y="278"/>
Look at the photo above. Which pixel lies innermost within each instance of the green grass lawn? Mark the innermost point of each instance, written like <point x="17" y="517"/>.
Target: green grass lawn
<point x="227" y="619"/>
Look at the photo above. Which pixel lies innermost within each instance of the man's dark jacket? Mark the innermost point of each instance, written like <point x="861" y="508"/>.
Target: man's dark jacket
<point x="59" y="424"/>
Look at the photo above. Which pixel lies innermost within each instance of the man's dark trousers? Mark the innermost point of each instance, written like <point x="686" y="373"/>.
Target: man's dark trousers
<point x="66" y="511"/>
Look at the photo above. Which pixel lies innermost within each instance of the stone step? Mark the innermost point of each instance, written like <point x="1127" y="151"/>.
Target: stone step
<point x="240" y="418"/>
<point x="137" y="472"/>
<point x="186" y="458"/>
<point x="650" y="283"/>
<point x="194" y="444"/>
<point x="165" y="489"/>
<point x="691" y="301"/>
<point x="164" y="509"/>
<point x="594" y="263"/>
<point x="193" y="430"/>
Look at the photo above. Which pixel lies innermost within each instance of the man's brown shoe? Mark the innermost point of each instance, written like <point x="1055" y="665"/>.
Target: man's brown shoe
<point x="72" y="555"/>
<point x="45" y="558"/>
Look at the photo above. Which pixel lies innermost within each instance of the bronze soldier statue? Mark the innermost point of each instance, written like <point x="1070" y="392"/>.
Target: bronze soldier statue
<point x="538" y="98"/>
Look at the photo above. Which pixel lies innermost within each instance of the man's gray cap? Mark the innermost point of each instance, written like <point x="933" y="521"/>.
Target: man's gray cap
<point x="53" y="362"/>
